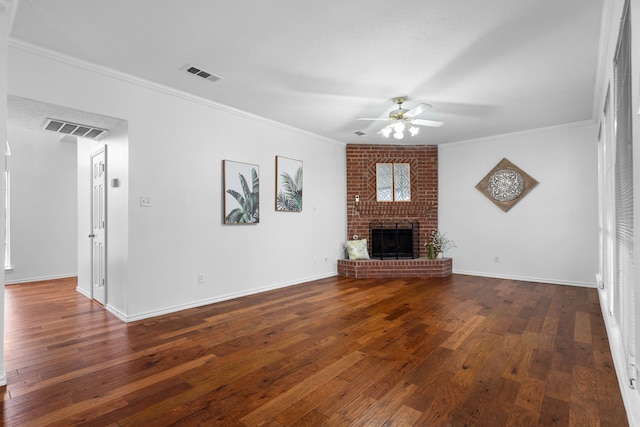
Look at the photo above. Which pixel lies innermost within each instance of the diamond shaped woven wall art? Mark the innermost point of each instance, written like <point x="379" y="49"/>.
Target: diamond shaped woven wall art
<point x="506" y="184"/>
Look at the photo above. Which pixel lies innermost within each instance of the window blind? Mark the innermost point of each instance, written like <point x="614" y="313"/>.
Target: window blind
<point x="625" y="312"/>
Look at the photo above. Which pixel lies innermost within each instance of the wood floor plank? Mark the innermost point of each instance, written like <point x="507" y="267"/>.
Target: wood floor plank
<point x="283" y="401"/>
<point x="309" y="403"/>
<point x="522" y="417"/>
<point x="531" y="394"/>
<point x="475" y="360"/>
<point x="452" y="351"/>
<point x="554" y="412"/>
<point x="558" y="385"/>
<point x="112" y="398"/>
<point x="347" y="414"/>
<point x="442" y="396"/>
<point x="462" y="332"/>
<point x="360" y="377"/>
<point x="382" y="411"/>
<point x="582" y="331"/>
<point x="405" y="416"/>
<point x="540" y="365"/>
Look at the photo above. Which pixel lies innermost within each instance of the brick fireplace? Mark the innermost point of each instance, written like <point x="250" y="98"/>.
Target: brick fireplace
<point x="422" y="208"/>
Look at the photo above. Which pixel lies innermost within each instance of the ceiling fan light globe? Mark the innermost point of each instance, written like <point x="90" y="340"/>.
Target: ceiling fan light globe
<point x="414" y="130"/>
<point x="398" y="127"/>
<point x="386" y="132"/>
<point x="398" y="135"/>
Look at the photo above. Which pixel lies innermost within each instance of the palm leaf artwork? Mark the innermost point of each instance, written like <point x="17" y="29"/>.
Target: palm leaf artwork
<point x="249" y="210"/>
<point x="289" y="196"/>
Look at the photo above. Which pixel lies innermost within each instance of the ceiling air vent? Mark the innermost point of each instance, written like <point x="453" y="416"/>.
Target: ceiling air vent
<point x="75" y="129"/>
<point x="201" y="73"/>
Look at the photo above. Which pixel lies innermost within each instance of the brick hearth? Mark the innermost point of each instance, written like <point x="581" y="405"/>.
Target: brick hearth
<point x="376" y="268"/>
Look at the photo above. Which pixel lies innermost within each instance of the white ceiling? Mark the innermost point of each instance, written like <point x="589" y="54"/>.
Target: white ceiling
<point x="32" y="114"/>
<point x="488" y="67"/>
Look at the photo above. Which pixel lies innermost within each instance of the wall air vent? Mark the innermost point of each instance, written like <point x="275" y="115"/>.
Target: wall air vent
<point x="75" y="129"/>
<point x="201" y="73"/>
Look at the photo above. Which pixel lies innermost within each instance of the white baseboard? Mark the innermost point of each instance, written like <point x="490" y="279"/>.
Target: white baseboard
<point x="526" y="279"/>
<point x="120" y="315"/>
<point x="83" y="292"/>
<point x="8" y="281"/>
<point x="176" y="308"/>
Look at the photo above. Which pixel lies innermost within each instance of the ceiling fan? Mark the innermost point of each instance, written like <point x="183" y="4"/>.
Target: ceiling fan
<point x="402" y="119"/>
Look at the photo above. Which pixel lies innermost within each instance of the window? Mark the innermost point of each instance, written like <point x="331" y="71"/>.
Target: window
<point x="624" y="295"/>
<point x="7" y="200"/>
<point x="393" y="182"/>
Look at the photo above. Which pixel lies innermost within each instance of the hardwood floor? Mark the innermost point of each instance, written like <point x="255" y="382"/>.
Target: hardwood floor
<point x="457" y="351"/>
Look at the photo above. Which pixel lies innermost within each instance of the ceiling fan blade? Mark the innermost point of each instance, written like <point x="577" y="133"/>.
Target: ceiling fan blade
<point x="417" y="110"/>
<point x="423" y="122"/>
<point x="371" y="118"/>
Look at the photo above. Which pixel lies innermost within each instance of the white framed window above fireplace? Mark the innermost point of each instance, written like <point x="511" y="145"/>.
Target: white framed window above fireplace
<point x="393" y="182"/>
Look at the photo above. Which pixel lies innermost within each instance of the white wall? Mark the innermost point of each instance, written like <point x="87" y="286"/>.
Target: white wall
<point x="551" y="235"/>
<point x="173" y="153"/>
<point x="43" y="206"/>
<point x="118" y="216"/>
<point x="180" y="168"/>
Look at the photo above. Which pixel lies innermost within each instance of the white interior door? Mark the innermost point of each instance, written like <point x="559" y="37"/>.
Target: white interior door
<point x="99" y="225"/>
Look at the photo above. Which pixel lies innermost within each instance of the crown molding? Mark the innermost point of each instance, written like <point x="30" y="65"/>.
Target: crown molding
<point x="521" y="133"/>
<point x="157" y="87"/>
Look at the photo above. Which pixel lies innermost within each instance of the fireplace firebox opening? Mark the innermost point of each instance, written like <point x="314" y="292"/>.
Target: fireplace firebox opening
<point x="394" y="240"/>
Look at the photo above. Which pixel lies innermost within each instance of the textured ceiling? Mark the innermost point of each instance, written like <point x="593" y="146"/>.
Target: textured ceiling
<point x="31" y="114"/>
<point x="488" y="67"/>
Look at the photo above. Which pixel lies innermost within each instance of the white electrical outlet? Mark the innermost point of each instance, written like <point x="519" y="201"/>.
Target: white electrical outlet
<point x="200" y="278"/>
<point x="357" y="199"/>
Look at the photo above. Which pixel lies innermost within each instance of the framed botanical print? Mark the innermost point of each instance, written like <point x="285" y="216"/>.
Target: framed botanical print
<point x="288" y="184"/>
<point x="241" y="193"/>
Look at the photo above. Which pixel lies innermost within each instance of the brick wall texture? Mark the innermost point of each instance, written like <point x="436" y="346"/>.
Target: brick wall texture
<point x="361" y="181"/>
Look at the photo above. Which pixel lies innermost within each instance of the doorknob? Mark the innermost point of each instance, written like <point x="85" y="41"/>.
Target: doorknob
<point x="92" y="235"/>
